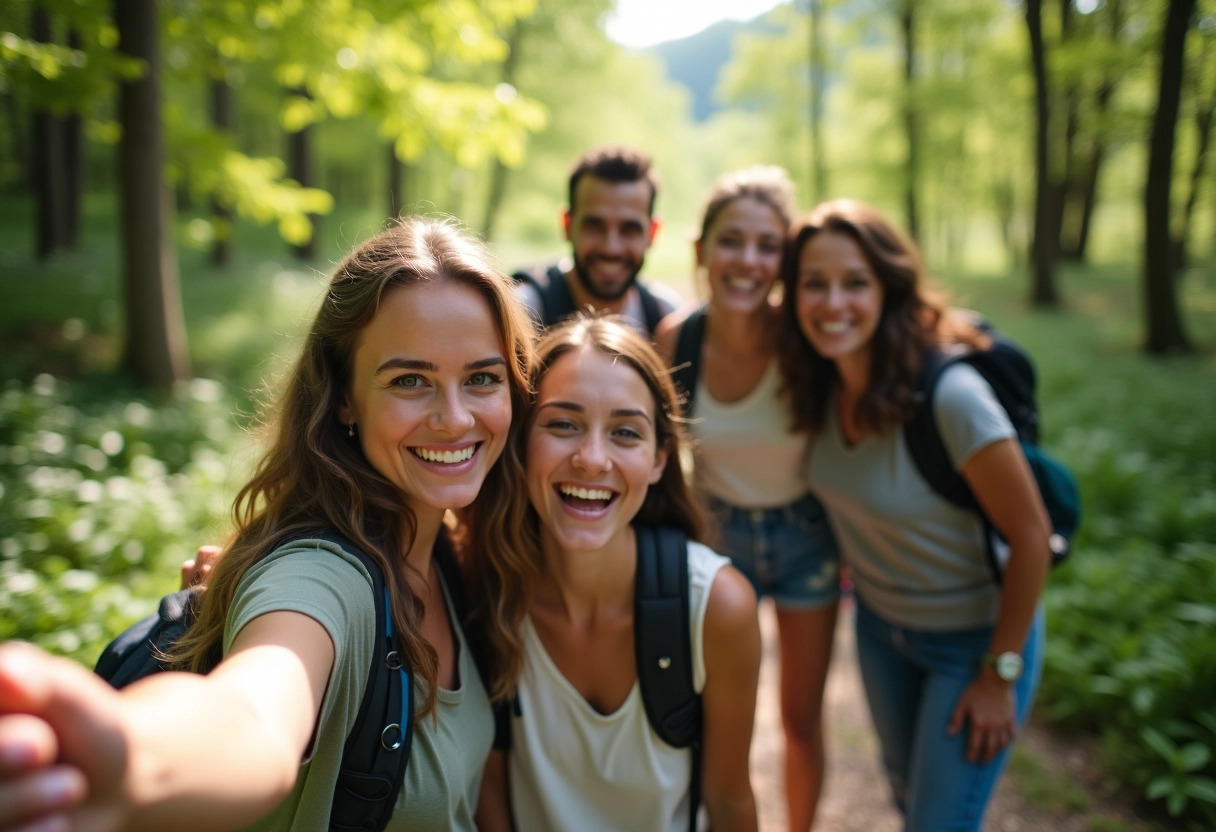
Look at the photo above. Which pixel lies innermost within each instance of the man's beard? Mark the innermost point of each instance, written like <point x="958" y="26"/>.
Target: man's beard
<point x="584" y="279"/>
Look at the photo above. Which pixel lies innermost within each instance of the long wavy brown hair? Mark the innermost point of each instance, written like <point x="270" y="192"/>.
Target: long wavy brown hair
<point x="913" y="319"/>
<point x="670" y="501"/>
<point x="313" y="476"/>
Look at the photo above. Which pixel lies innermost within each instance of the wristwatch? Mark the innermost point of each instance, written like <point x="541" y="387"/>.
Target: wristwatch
<point x="1008" y="665"/>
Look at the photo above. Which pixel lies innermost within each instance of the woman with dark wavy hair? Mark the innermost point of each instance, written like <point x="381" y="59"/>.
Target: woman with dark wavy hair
<point x="603" y="452"/>
<point x="950" y="659"/>
<point x="399" y="409"/>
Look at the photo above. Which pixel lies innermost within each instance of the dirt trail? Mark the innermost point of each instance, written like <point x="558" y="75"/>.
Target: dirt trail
<point x="1051" y="784"/>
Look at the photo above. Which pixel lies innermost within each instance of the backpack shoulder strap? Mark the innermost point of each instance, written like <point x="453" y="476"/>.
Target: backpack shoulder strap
<point x="686" y="368"/>
<point x="924" y="440"/>
<point x="663" y="645"/>
<point x="555" y="299"/>
<point x="138" y="651"/>
<point x="652" y="310"/>
<point x="377" y="749"/>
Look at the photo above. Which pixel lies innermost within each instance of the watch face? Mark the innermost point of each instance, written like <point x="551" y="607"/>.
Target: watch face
<point x="1008" y="666"/>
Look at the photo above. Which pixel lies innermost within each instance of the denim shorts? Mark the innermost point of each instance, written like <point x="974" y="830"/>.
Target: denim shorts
<point x="788" y="552"/>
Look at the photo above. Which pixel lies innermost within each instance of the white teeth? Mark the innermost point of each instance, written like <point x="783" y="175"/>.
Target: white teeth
<point x="586" y="493"/>
<point x="739" y="285"/>
<point x="446" y="457"/>
<point x="833" y="326"/>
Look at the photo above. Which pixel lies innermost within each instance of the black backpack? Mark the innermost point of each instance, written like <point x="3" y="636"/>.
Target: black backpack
<point x="557" y="303"/>
<point x="686" y="369"/>
<point x="1007" y="367"/>
<point x="662" y="649"/>
<point x="377" y="749"/>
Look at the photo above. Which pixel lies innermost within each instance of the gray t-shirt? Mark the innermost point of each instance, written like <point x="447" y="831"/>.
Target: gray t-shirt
<point x="443" y="777"/>
<point x="918" y="560"/>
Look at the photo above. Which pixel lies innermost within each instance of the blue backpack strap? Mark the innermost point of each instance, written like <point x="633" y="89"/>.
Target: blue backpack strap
<point x="377" y="749"/>
<point x="663" y="646"/>
<point x="686" y="368"/>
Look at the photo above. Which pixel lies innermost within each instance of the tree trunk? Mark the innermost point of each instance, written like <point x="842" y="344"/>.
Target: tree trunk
<point x="50" y="176"/>
<point x="300" y="167"/>
<point x="73" y="162"/>
<point x="498" y="172"/>
<point x="1043" y="245"/>
<point x="819" y="155"/>
<point x="221" y="209"/>
<point x="156" y="341"/>
<point x="912" y="181"/>
<point x="1204" y="111"/>
<point x="1164" y="328"/>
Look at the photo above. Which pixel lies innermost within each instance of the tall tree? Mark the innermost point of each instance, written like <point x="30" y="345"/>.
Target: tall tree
<point x="1044" y="243"/>
<point x="1203" y="107"/>
<point x="1164" y="330"/>
<point x="156" y="334"/>
<point x="220" y="100"/>
<point x="912" y="178"/>
<point x="50" y="151"/>
<point x="300" y="167"/>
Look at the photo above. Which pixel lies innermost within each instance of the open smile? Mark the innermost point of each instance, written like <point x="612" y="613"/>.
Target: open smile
<point x="446" y="456"/>
<point x="583" y="500"/>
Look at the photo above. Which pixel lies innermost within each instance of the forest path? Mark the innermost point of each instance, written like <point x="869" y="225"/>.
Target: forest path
<point x="1051" y="785"/>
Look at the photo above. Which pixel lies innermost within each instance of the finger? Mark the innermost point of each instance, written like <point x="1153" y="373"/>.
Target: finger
<point x="207" y="556"/>
<point x="26" y="743"/>
<point x="957" y="719"/>
<point x="40" y="799"/>
<point x="187" y="574"/>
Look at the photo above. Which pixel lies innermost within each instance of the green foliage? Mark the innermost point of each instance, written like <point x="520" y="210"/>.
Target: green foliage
<point x="1131" y="648"/>
<point x="103" y="497"/>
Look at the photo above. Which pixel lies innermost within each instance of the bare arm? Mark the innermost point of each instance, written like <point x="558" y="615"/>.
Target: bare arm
<point x="732" y="667"/>
<point x="1005" y="488"/>
<point x="248" y="724"/>
<point x="493" y="804"/>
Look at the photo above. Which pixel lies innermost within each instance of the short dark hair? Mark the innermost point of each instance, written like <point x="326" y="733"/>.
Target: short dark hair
<point x="614" y="163"/>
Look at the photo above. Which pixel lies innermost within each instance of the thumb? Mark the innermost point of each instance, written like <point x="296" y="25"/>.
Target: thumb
<point x="80" y="709"/>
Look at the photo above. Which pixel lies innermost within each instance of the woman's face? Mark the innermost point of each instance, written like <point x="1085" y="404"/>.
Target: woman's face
<point x="592" y="449"/>
<point x="741" y="253"/>
<point x="429" y="394"/>
<point x="839" y="298"/>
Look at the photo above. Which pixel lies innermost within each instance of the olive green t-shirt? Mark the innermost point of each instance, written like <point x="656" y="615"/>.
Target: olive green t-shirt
<point x="443" y="777"/>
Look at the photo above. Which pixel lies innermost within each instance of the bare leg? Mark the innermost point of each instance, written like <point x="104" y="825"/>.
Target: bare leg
<point x="805" y="642"/>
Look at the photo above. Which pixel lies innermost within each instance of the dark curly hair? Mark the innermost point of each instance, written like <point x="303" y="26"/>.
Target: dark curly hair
<point x="914" y="318"/>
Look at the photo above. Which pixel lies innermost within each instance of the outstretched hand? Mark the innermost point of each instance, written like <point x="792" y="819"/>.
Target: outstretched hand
<point x="989" y="710"/>
<point x="63" y="754"/>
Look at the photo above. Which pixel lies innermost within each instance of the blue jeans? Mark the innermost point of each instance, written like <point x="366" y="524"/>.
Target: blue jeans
<point x="787" y="552"/>
<point x="913" y="679"/>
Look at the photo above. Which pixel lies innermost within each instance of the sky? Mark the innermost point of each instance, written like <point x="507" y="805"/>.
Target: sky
<point x="639" y="23"/>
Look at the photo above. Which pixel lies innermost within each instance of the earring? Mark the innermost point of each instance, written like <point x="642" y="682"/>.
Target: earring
<point x="350" y="429"/>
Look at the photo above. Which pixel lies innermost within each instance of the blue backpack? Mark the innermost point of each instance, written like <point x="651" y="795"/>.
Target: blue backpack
<point x="1007" y="367"/>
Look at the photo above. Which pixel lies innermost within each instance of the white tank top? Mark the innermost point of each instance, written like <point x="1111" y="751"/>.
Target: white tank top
<point x="573" y="768"/>
<point x="746" y="454"/>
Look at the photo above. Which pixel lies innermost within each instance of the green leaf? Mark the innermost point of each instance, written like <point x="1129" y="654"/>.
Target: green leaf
<point x="1159" y="787"/>
<point x="1202" y="788"/>
<point x="1159" y="743"/>
<point x="1194" y="756"/>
